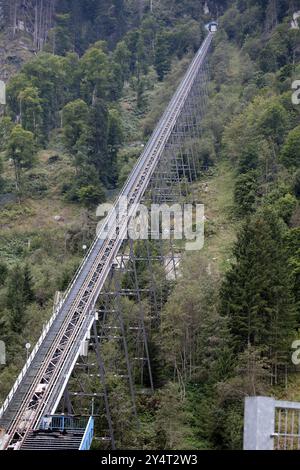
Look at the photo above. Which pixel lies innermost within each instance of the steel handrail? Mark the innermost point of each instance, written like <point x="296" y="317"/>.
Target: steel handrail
<point x="152" y="147"/>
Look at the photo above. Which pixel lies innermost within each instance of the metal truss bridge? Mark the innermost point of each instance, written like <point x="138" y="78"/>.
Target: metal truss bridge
<point x="52" y="384"/>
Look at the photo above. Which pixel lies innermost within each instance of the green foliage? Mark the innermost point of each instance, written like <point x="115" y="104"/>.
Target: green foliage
<point x="171" y="424"/>
<point x="47" y="75"/>
<point x="292" y="239"/>
<point x="6" y="126"/>
<point x="120" y="70"/>
<point x="185" y="36"/>
<point x="285" y="207"/>
<point x="162" y="60"/>
<point x="207" y="152"/>
<point x="115" y="139"/>
<point x="3" y="273"/>
<point x="273" y="122"/>
<point x="80" y="23"/>
<point x="97" y="143"/>
<point x="30" y="109"/>
<point x="93" y="136"/>
<point x="19" y="295"/>
<point x="280" y="49"/>
<point x="62" y="34"/>
<point x="296" y="184"/>
<point x="245" y="193"/>
<point x="256" y="294"/>
<point x="121" y="57"/>
<point x="2" y="182"/>
<point x="189" y="322"/>
<point x="21" y="150"/>
<point x="95" y="67"/>
<point x="74" y="116"/>
<point x="86" y="185"/>
<point x="290" y="154"/>
<point x="91" y="195"/>
<point x="249" y="158"/>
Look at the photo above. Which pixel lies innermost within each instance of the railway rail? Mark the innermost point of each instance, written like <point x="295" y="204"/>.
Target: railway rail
<point x="40" y="385"/>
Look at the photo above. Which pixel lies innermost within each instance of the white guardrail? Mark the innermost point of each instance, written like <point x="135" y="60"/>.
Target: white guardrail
<point x="136" y="169"/>
<point x="30" y="359"/>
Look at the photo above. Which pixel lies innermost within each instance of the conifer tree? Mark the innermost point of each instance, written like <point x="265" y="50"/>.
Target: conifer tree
<point x="20" y="150"/>
<point x="162" y="61"/>
<point x="19" y="295"/>
<point x="256" y="294"/>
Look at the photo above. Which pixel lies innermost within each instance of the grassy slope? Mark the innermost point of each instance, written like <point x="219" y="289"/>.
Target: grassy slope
<point x="215" y="191"/>
<point x="217" y="198"/>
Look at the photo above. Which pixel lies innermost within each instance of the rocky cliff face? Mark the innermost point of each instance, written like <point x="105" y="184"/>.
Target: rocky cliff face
<point x="13" y="54"/>
<point x="23" y="28"/>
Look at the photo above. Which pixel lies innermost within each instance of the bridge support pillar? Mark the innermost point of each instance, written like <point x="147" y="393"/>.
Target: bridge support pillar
<point x="259" y="419"/>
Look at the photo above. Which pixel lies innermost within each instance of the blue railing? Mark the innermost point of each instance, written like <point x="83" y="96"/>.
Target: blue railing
<point x="64" y="423"/>
<point x="71" y="423"/>
<point x="88" y="436"/>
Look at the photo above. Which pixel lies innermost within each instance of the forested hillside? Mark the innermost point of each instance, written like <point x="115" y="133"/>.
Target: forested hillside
<point x="81" y="103"/>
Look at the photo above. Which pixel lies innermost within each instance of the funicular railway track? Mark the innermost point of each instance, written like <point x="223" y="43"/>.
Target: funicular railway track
<point x="41" y="384"/>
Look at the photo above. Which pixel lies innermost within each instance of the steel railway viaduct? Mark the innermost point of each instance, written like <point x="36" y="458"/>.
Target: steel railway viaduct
<point x="168" y="162"/>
